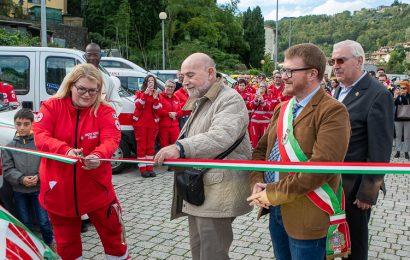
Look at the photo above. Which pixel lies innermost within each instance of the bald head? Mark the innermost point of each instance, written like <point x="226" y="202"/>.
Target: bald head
<point x="93" y="54"/>
<point x="199" y="74"/>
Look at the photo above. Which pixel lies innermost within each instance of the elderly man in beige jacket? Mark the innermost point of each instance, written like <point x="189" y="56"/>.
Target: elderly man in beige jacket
<point x="219" y="118"/>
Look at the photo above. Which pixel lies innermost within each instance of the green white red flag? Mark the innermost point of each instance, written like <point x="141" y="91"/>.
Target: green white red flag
<point x="18" y="242"/>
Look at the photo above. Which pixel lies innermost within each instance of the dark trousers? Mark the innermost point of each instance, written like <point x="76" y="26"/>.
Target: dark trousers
<point x="358" y="221"/>
<point x="24" y="203"/>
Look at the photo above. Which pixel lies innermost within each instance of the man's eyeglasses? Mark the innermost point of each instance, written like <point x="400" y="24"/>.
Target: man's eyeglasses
<point x="91" y="91"/>
<point x="338" y="61"/>
<point x="289" y="72"/>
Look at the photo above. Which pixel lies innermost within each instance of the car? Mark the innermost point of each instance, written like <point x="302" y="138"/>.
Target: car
<point x="165" y="75"/>
<point x="7" y="129"/>
<point x="36" y="74"/>
<point x="231" y="81"/>
<point x="132" y="80"/>
<point x="120" y="63"/>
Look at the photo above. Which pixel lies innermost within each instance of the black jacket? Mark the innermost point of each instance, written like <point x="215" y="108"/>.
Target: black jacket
<point x="370" y="107"/>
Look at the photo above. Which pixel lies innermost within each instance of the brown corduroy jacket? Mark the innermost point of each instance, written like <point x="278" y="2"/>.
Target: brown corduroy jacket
<point x="323" y="131"/>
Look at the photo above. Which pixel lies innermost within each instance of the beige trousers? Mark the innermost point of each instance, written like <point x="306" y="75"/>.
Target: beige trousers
<point x="210" y="238"/>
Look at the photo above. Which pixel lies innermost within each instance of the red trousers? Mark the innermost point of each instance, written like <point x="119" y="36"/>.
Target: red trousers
<point x="168" y="135"/>
<point x="145" y="138"/>
<point x="257" y="130"/>
<point x="108" y="223"/>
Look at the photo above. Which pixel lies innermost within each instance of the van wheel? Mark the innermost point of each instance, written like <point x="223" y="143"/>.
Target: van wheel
<point x="123" y="151"/>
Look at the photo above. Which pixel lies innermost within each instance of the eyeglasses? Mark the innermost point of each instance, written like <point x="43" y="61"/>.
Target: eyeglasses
<point x="289" y="72"/>
<point x="91" y="91"/>
<point x="338" y="61"/>
<point x="169" y="86"/>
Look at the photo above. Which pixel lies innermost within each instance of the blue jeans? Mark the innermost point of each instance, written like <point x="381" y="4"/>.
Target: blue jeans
<point x="25" y="202"/>
<point x="286" y="248"/>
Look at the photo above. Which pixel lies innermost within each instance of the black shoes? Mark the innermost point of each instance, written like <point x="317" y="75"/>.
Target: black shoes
<point x="145" y="175"/>
<point x="148" y="174"/>
<point x="397" y="155"/>
<point x="406" y="155"/>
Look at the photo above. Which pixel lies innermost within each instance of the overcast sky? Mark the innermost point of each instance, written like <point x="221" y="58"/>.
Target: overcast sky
<point x="294" y="8"/>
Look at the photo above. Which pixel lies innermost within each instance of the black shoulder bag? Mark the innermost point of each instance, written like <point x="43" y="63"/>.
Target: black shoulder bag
<point x="190" y="183"/>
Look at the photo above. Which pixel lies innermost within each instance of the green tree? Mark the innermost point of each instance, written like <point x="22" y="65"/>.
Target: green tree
<point x="17" y="39"/>
<point x="254" y="33"/>
<point x="396" y="63"/>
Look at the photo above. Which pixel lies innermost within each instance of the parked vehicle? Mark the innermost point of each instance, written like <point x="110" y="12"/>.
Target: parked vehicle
<point x="132" y="80"/>
<point x="165" y="75"/>
<point x="37" y="72"/>
<point x="120" y="63"/>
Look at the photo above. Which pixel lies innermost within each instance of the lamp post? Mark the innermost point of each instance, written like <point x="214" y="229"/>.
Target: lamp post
<point x="276" y="36"/>
<point x="163" y="16"/>
<point x="43" y="24"/>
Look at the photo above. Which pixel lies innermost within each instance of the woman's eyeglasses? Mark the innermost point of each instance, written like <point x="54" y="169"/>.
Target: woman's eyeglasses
<point x="91" y="91"/>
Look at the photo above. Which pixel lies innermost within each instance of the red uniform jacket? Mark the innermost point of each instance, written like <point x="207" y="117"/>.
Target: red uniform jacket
<point x="183" y="96"/>
<point x="145" y="113"/>
<point x="9" y="96"/>
<point x="68" y="190"/>
<point x="168" y="104"/>
<point x="244" y="94"/>
<point x="276" y="95"/>
<point x="262" y="111"/>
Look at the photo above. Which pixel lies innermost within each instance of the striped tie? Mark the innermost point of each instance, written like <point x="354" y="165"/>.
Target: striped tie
<point x="274" y="156"/>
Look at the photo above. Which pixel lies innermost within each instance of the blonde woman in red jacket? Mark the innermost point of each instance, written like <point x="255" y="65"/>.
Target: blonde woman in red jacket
<point x="146" y="121"/>
<point x="77" y="122"/>
<point x="169" y="113"/>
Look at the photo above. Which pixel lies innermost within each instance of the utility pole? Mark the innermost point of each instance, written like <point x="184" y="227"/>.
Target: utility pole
<point x="290" y="32"/>
<point x="276" y="36"/>
<point x="43" y="24"/>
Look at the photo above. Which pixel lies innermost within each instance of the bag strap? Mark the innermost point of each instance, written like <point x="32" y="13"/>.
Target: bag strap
<point x="226" y="153"/>
<point x="230" y="149"/>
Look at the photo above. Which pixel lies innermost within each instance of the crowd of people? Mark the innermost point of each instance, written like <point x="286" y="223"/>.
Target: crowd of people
<point x="297" y="115"/>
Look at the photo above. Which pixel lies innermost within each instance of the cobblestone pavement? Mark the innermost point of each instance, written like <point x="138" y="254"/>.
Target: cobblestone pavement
<point x="151" y="235"/>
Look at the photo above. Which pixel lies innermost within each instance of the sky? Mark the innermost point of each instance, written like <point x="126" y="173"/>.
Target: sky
<point x="295" y="8"/>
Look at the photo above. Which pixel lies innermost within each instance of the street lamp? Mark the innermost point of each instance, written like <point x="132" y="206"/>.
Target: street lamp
<point x="276" y="36"/>
<point x="163" y="16"/>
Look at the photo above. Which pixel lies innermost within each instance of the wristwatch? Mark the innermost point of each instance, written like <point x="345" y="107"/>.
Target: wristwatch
<point x="181" y="150"/>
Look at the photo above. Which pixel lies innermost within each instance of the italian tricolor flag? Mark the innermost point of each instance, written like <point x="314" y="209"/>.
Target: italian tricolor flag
<point x="18" y="242"/>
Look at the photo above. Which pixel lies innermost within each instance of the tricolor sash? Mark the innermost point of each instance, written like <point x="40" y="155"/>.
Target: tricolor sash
<point x="338" y="237"/>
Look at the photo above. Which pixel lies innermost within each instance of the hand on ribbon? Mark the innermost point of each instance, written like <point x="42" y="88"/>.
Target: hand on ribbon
<point x="169" y="152"/>
<point x="89" y="163"/>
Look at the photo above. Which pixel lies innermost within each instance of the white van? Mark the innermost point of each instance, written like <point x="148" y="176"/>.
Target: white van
<point x="37" y="72"/>
<point x="165" y="75"/>
<point x="132" y="80"/>
<point x="120" y="63"/>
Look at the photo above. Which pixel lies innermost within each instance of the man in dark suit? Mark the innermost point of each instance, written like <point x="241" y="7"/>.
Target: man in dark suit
<point x="370" y="107"/>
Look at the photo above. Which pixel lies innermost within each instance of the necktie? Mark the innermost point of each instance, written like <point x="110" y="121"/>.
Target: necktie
<point x="274" y="156"/>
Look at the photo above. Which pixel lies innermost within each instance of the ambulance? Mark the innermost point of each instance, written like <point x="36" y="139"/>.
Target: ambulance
<point x="36" y="74"/>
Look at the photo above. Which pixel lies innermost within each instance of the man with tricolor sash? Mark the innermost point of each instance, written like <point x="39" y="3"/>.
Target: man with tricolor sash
<point x="307" y="218"/>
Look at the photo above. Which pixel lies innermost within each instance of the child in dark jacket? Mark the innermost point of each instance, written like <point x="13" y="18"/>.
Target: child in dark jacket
<point x="21" y="171"/>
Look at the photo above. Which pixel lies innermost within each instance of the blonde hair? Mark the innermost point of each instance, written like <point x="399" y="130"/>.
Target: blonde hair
<point x="88" y="71"/>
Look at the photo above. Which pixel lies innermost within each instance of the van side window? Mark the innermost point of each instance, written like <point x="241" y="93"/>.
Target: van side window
<point x="114" y="64"/>
<point x="15" y="70"/>
<point x="56" y="69"/>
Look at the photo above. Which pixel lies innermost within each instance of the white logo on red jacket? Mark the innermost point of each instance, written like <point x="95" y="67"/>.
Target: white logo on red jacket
<point x="92" y="135"/>
<point x="38" y="117"/>
<point x="117" y="124"/>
